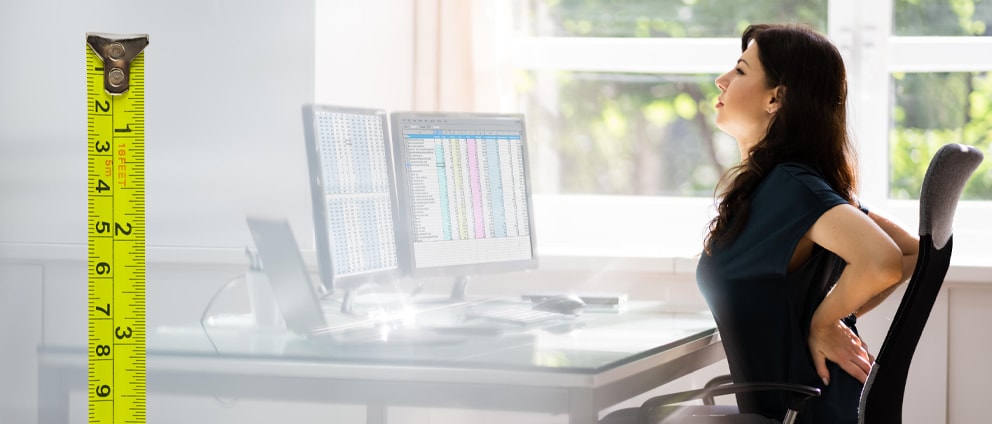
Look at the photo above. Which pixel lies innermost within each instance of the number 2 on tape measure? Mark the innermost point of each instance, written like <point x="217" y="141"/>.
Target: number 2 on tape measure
<point x="115" y="94"/>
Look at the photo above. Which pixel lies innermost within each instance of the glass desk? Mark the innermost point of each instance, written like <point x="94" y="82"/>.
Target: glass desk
<point x="577" y="367"/>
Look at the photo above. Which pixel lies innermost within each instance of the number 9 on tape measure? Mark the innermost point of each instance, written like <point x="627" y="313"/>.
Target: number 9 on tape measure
<point x="115" y="94"/>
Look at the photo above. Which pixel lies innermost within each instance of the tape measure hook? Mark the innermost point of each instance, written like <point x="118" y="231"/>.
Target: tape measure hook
<point x="117" y="52"/>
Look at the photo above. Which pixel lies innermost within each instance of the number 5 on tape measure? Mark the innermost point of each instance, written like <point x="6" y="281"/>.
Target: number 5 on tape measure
<point x="115" y="93"/>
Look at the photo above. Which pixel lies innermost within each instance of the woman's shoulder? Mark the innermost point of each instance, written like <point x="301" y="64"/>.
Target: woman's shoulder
<point x="796" y="169"/>
<point x="798" y="181"/>
<point x="795" y="172"/>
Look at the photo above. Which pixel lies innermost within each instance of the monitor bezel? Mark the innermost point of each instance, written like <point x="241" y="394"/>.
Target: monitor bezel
<point x="404" y="240"/>
<point x="322" y="241"/>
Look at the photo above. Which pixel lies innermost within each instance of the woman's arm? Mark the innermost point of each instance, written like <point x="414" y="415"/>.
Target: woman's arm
<point x="874" y="264"/>
<point x="908" y="243"/>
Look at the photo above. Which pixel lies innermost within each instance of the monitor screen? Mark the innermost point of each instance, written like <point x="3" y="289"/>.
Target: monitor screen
<point x="465" y="200"/>
<point x="354" y="207"/>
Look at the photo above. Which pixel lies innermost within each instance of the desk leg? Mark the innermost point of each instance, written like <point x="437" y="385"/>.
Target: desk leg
<point x="376" y="413"/>
<point x="53" y="396"/>
<point x="582" y="407"/>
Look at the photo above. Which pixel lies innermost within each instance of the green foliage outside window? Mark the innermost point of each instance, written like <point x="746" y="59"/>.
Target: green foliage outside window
<point x="933" y="109"/>
<point x="942" y="17"/>
<point x="618" y="133"/>
<point x="662" y="18"/>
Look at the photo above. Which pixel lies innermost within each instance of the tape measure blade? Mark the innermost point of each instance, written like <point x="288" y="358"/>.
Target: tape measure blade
<point x="116" y="246"/>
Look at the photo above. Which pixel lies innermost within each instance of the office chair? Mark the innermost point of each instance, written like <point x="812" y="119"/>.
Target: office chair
<point x="950" y="168"/>
<point x="882" y="396"/>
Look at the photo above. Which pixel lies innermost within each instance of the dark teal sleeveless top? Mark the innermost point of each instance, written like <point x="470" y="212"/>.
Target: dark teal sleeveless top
<point x="763" y="312"/>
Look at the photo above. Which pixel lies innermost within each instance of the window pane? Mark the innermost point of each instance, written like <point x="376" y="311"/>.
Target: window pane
<point x="660" y="18"/>
<point x="624" y="133"/>
<point x="933" y="109"/>
<point x="942" y="17"/>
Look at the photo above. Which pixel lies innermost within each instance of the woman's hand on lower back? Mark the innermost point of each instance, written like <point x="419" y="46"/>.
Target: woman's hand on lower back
<point x="837" y="343"/>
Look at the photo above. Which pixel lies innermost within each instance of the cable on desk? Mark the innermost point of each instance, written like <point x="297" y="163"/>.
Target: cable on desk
<point x="206" y="310"/>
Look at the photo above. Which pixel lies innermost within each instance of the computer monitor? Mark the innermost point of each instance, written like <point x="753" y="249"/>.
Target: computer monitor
<point x="464" y="193"/>
<point x="352" y="187"/>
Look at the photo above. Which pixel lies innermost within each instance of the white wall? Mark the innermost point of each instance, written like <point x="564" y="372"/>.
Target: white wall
<point x="20" y="334"/>
<point x="365" y="54"/>
<point x="225" y="80"/>
<point x="968" y="367"/>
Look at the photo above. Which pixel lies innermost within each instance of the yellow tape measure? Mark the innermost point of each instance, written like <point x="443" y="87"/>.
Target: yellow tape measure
<point x="115" y="94"/>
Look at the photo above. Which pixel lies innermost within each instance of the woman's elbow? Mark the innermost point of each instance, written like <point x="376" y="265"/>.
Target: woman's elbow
<point x="910" y="246"/>
<point x="886" y="267"/>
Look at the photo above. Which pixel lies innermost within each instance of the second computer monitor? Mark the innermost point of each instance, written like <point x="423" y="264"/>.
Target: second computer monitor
<point x="352" y="189"/>
<point x="465" y="199"/>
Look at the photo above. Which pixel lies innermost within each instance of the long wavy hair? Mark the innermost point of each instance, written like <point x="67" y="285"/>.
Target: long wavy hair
<point x="810" y="126"/>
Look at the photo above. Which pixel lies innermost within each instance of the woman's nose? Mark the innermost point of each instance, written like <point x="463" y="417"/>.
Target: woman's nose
<point x="721" y="82"/>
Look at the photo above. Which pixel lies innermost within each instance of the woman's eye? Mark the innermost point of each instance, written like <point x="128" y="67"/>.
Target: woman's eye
<point x="739" y="71"/>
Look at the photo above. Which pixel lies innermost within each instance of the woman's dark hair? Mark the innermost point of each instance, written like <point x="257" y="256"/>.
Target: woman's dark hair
<point x="810" y="126"/>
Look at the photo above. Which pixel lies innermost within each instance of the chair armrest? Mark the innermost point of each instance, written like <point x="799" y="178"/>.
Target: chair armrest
<point x="720" y="380"/>
<point x="804" y="392"/>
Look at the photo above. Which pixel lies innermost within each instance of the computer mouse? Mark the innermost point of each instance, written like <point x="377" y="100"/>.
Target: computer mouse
<point x="563" y="304"/>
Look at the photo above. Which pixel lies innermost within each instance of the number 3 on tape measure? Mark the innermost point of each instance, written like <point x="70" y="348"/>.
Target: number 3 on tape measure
<point x="115" y="93"/>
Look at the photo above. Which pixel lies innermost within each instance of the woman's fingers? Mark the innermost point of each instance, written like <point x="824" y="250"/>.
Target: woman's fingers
<point x="858" y="367"/>
<point x="820" y="362"/>
<point x="838" y="344"/>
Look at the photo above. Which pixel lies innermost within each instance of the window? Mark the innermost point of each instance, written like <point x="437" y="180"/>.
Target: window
<point x="621" y="95"/>
<point x="625" y="128"/>
<point x="934" y="108"/>
<point x="624" y="91"/>
<point x="626" y="133"/>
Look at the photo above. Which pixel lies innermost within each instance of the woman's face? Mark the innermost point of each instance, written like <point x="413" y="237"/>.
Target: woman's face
<point x="746" y="105"/>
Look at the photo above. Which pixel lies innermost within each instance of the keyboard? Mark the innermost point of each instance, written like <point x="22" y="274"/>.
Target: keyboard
<point x="518" y="316"/>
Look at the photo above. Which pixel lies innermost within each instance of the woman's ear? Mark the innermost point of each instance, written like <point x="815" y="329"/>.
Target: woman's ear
<point x="775" y="102"/>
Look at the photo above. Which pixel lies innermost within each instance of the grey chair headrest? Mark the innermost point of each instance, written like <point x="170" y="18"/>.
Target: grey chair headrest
<point x="945" y="179"/>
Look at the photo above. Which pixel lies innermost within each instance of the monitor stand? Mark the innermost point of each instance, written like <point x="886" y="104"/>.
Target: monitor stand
<point x="350" y="297"/>
<point x="459" y="294"/>
<point x="460" y="288"/>
<point x="348" y="302"/>
<point x="459" y="291"/>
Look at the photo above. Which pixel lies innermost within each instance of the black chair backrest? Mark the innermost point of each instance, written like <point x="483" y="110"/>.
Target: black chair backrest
<point x="950" y="168"/>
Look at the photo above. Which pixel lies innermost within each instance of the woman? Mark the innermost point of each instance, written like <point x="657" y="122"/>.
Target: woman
<point x="792" y="258"/>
